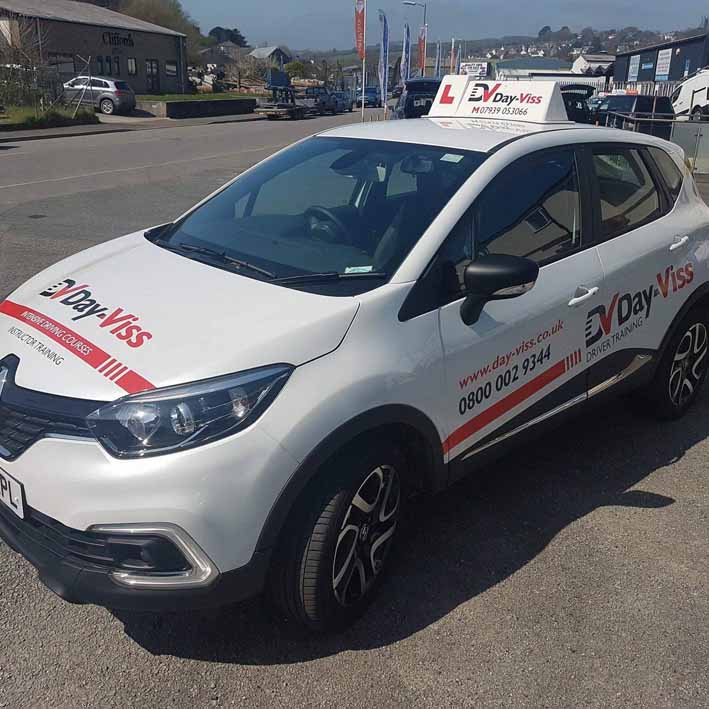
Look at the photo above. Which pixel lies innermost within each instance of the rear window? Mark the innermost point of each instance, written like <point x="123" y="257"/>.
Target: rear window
<point x="621" y="103"/>
<point x="670" y="172"/>
<point x="122" y="86"/>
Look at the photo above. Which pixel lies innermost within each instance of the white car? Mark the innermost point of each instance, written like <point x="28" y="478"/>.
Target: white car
<point x="241" y="400"/>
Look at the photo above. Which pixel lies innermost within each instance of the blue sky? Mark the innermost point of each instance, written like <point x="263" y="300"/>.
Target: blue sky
<point x="323" y="24"/>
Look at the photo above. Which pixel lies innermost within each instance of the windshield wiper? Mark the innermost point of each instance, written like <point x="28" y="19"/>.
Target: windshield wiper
<point x="328" y="277"/>
<point x="220" y="256"/>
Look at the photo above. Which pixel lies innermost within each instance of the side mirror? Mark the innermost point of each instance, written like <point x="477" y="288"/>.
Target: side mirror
<point x="496" y="277"/>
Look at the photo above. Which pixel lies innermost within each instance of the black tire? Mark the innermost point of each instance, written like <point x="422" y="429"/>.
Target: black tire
<point x="682" y="370"/>
<point x="697" y="114"/>
<point x="331" y="559"/>
<point x="107" y="107"/>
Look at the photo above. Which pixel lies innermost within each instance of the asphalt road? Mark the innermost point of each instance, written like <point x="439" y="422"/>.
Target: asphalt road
<point x="573" y="573"/>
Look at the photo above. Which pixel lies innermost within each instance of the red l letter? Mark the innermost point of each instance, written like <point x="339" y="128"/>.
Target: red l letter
<point x="446" y="96"/>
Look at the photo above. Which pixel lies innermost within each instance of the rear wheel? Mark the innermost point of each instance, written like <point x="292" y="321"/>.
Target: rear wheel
<point x="107" y="107"/>
<point x="697" y="114"/>
<point x="683" y="368"/>
<point x="334" y="552"/>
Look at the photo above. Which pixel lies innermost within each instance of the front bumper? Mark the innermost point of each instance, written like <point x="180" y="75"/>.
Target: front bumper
<point x="63" y="558"/>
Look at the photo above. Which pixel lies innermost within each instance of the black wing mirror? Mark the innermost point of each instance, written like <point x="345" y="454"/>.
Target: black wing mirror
<point x="496" y="277"/>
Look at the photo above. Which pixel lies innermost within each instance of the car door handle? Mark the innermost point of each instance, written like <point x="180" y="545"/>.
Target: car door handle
<point x="582" y="295"/>
<point x="679" y="242"/>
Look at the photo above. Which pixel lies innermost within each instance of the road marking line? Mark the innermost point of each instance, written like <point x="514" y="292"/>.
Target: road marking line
<point x="144" y="167"/>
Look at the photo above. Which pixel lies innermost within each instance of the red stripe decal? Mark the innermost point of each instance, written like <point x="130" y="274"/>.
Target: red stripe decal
<point x="504" y="405"/>
<point x="77" y="344"/>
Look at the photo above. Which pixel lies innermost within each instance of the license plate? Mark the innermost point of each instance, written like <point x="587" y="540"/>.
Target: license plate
<point x="12" y="494"/>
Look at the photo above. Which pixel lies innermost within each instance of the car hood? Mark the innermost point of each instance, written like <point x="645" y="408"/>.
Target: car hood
<point x="128" y="316"/>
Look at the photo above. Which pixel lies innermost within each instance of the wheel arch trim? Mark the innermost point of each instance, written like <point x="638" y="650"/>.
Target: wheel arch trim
<point x="389" y="415"/>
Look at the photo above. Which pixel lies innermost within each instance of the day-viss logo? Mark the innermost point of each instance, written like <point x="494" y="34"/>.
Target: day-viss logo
<point x="604" y="319"/>
<point x="80" y="299"/>
<point x="491" y="94"/>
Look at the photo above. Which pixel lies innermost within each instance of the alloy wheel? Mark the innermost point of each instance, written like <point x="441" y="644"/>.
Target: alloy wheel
<point x="689" y="364"/>
<point x="365" y="535"/>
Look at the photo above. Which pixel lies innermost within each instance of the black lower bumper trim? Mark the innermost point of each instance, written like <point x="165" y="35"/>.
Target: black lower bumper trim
<point x="82" y="583"/>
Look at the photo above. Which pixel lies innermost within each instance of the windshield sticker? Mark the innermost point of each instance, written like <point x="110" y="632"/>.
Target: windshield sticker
<point x="359" y="269"/>
<point x="450" y="157"/>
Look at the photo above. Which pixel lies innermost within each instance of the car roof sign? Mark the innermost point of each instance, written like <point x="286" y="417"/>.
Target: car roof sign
<point x="521" y="101"/>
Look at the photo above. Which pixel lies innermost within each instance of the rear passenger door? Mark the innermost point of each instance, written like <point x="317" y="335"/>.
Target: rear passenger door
<point x="646" y="257"/>
<point x="523" y="359"/>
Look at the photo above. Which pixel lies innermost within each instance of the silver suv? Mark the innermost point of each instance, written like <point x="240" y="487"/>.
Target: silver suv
<point x="107" y="95"/>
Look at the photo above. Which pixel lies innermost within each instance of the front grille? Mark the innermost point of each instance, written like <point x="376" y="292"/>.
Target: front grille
<point x="26" y="416"/>
<point x="20" y="429"/>
<point x="86" y="548"/>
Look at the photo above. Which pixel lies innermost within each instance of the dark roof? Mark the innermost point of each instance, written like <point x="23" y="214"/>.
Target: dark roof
<point x="266" y="52"/>
<point x="662" y="45"/>
<point x="81" y="13"/>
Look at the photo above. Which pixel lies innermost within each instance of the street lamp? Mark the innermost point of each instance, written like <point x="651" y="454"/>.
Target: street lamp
<point x="412" y="3"/>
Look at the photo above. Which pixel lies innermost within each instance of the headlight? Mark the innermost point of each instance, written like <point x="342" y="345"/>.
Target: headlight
<point x="185" y="416"/>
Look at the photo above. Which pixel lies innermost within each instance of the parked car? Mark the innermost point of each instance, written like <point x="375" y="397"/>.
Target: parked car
<point x="416" y="98"/>
<point x="576" y="98"/>
<point x="372" y="98"/>
<point x="343" y="101"/>
<point x="643" y="114"/>
<point x="319" y="100"/>
<point x="283" y="104"/>
<point x="104" y="94"/>
<point x="691" y="97"/>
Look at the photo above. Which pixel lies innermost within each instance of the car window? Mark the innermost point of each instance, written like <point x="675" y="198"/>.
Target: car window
<point x="122" y="86"/>
<point x="621" y="103"/>
<point x="669" y="170"/>
<point x="628" y="196"/>
<point x="323" y="206"/>
<point x="81" y="81"/>
<point x="98" y="84"/>
<point x="400" y="182"/>
<point x="532" y="209"/>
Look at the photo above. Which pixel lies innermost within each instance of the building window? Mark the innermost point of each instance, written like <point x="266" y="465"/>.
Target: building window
<point x="99" y="65"/>
<point x="62" y="63"/>
<point x="107" y="65"/>
<point x="170" y="68"/>
<point x="132" y="67"/>
<point x="116" y="66"/>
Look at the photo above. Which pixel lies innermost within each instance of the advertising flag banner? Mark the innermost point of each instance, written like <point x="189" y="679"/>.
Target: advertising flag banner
<point x="437" y="72"/>
<point x="452" y="64"/>
<point x="360" y="18"/>
<point x="457" y="61"/>
<point x="422" y="49"/>
<point x="406" y="55"/>
<point x="664" y="60"/>
<point x="384" y="58"/>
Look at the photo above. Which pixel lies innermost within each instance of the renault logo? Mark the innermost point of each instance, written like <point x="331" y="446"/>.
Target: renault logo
<point x="3" y="378"/>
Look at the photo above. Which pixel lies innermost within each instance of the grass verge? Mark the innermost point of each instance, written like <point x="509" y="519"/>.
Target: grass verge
<point x="24" y="118"/>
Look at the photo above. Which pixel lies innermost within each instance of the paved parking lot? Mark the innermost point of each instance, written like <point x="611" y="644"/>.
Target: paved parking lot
<point x="572" y="573"/>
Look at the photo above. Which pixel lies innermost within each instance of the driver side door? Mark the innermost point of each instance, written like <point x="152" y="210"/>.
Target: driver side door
<point x="523" y="359"/>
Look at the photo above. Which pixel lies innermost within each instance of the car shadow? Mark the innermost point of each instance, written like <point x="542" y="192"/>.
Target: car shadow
<point x="460" y="543"/>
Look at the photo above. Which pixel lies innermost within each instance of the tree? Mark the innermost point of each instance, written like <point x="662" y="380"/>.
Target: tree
<point x="221" y="34"/>
<point x="297" y="70"/>
<point x="170" y="14"/>
<point x="544" y="31"/>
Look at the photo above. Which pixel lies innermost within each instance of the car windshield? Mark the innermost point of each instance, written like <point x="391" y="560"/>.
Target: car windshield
<point x="122" y="86"/>
<point x="347" y="208"/>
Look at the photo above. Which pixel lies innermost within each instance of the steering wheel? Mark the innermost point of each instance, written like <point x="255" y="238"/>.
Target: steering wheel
<point x="325" y="232"/>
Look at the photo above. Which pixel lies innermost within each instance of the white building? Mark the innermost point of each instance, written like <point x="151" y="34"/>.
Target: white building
<point x="594" y="62"/>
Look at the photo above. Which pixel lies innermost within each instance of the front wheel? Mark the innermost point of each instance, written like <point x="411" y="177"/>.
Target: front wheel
<point x="107" y="107"/>
<point x="697" y="114"/>
<point x="683" y="368"/>
<point x="334" y="553"/>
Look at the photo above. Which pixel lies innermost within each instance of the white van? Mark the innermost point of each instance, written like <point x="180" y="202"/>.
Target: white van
<point x="691" y="97"/>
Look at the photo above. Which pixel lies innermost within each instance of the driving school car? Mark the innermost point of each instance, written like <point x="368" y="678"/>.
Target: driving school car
<point x="240" y="401"/>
